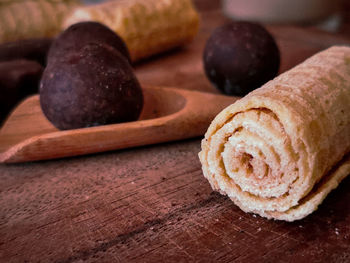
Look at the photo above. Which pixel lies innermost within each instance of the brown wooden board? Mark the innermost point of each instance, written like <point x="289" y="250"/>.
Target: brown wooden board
<point x="152" y="204"/>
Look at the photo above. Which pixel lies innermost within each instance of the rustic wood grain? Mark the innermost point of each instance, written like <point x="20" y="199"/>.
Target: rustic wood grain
<point x="148" y="207"/>
<point x="152" y="204"/>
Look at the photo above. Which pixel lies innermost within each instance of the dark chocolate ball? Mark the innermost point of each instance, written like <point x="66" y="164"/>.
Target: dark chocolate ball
<point x="88" y="87"/>
<point x="240" y="57"/>
<point x="78" y="35"/>
<point x="30" y="49"/>
<point x="18" y="79"/>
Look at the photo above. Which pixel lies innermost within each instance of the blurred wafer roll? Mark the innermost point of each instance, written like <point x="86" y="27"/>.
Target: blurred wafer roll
<point x="280" y="150"/>
<point x="23" y="19"/>
<point x="148" y="27"/>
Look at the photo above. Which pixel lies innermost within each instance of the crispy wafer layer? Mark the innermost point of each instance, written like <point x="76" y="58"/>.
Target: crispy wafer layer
<point x="148" y="27"/>
<point x="281" y="149"/>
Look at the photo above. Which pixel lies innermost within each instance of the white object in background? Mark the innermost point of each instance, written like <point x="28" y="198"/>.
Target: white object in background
<point x="280" y="11"/>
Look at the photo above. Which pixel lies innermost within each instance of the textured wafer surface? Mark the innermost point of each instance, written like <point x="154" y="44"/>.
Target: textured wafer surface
<point x="23" y="19"/>
<point x="281" y="149"/>
<point x="148" y="27"/>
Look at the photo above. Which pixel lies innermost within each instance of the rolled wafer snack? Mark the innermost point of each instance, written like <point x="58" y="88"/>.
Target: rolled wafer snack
<point x="23" y="19"/>
<point x="281" y="149"/>
<point x="147" y="27"/>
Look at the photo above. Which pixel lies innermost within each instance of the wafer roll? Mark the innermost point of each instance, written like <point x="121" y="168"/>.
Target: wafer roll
<point x="281" y="149"/>
<point x="22" y="19"/>
<point x="148" y="27"/>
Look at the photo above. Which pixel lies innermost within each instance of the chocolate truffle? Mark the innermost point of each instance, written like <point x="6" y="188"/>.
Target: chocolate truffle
<point x="18" y="79"/>
<point x="30" y="49"/>
<point x="240" y="56"/>
<point x="78" y="35"/>
<point x="92" y="86"/>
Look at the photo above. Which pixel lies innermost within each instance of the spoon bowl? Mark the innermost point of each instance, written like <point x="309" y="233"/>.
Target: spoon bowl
<point x="168" y="114"/>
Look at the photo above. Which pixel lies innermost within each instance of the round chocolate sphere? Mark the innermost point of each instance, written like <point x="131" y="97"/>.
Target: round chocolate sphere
<point x="92" y="86"/>
<point x="18" y="79"/>
<point x="240" y="57"/>
<point x="78" y="35"/>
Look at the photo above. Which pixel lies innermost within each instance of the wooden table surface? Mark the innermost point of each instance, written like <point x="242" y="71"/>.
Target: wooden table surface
<point x="152" y="203"/>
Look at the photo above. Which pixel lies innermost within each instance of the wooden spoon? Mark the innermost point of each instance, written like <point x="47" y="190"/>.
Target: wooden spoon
<point x="168" y="114"/>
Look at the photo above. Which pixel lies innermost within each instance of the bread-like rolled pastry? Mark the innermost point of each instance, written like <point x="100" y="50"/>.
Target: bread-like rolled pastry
<point x="281" y="149"/>
<point x="23" y="19"/>
<point x="147" y="27"/>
